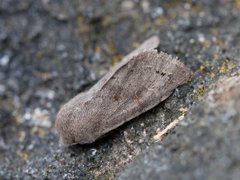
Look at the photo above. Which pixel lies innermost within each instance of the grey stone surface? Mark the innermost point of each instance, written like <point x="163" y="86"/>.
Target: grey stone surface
<point x="52" y="50"/>
<point x="206" y="145"/>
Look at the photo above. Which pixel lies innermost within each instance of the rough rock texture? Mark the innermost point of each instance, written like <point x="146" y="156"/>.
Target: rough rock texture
<point x="206" y="145"/>
<point x="52" y="50"/>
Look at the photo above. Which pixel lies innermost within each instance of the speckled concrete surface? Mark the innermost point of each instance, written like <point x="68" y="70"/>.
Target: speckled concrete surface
<point x="205" y="145"/>
<point x="51" y="50"/>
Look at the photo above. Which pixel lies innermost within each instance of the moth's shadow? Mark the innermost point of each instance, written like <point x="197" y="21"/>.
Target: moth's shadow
<point x="102" y="141"/>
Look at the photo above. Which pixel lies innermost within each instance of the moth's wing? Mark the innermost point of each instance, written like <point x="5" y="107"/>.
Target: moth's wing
<point x="149" y="44"/>
<point x="140" y="84"/>
<point x="135" y="87"/>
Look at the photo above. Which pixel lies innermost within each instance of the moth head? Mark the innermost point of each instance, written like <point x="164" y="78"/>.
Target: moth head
<point x="64" y="126"/>
<point x="72" y="126"/>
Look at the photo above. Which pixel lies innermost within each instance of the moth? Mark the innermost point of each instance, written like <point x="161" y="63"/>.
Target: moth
<point x="143" y="79"/>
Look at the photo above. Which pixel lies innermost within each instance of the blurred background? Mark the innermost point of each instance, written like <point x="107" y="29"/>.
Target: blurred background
<point x="50" y="50"/>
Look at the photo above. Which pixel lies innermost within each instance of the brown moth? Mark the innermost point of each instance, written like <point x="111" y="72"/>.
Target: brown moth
<point x="143" y="79"/>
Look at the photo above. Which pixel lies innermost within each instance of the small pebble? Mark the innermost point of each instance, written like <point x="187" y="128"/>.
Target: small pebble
<point x="145" y="6"/>
<point x="4" y="60"/>
<point x="27" y="116"/>
<point x="41" y="118"/>
<point x="2" y="89"/>
<point x="201" y="38"/>
<point x="127" y="5"/>
<point x="46" y="94"/>
<point x="158" y="11"/>
<point x="93" y="152"/>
